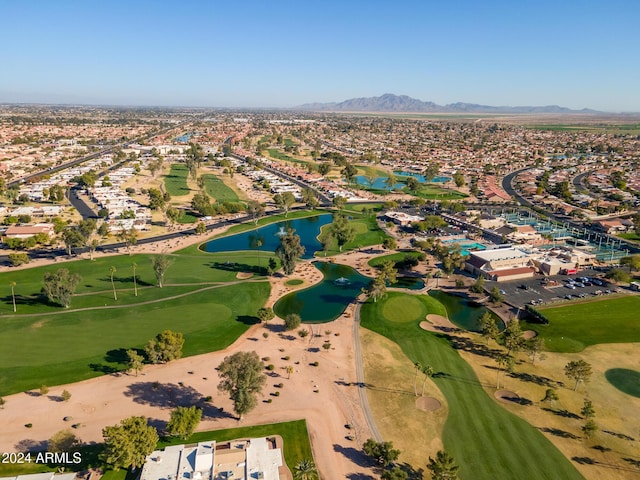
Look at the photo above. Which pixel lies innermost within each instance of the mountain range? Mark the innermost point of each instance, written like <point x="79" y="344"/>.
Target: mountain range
<point x="405" y="104"/>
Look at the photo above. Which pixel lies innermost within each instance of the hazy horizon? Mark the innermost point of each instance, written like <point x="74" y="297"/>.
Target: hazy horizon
<point x="280" y="55"/>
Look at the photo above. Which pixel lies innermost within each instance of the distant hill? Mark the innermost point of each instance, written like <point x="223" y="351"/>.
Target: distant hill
<point x="402" y="103"/>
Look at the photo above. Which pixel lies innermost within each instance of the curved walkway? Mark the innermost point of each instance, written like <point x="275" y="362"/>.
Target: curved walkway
<point x="362" y="386"/>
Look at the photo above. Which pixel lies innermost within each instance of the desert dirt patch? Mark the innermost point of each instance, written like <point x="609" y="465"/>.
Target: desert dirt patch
<point x="428" y="404"/>
<point x="390" y="377"/>
<point x="561" y="422"/>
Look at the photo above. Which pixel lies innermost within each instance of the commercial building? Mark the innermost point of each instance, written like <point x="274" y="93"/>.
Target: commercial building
<point x="500" y="264"/>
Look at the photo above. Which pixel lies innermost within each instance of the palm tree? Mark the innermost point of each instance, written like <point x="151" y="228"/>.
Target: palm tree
<point x="418" y="368"/>
<point x="443" y="467"/>
<point x="13" y="295"/>
<point x="135" y="285"/>
<point x="289" y="369"/>
<point x="305" y="470"/>
<point x="428" y="372"/>
<point x="112" y="269"/>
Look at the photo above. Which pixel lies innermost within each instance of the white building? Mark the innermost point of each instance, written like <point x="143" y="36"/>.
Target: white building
<point x="254" y="458"/>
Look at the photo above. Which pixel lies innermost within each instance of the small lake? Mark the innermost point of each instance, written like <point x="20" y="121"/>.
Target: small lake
<point x="326" y="300"/>
<point x="183" y="138"/>
<point x="269" y="236"/>
<point x="378" y="184"/>
<point x="461" y="311"/>
<point x="422" y="179"/>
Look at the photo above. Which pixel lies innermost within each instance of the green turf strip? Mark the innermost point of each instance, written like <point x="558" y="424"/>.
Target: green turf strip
<point x="576" y="325"/>
<point x="176" y="180"/>
<point x="55" y="349"/>
<point x="487" y="441"/>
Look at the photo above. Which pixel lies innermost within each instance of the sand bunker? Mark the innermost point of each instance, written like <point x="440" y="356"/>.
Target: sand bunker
<point x="428" y="404"/>
<point x="244" y="275"/>
<point x="438" y="323"/>
<point x="507" y="396"/>
<point x="529" y="334"/>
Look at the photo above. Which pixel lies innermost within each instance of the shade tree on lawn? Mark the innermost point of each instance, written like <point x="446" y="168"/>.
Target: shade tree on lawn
<point x="160" y="264"/>
<point x="129" y="443"/>
<point x="184" y="421"/>
<point x="59" y="286"/>
<point x="166" y="346"/>
<point x="289" y="251"/>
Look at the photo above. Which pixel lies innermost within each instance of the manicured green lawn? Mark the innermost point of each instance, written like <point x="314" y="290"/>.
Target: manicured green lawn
<point x="367" y="233"/>
<point x="393" y="257"/>
<point x="217" y="189"/>
<point x="434" y="192"/>
<point x="45" y="343"/>
<point x="625" y="380"/>
<point x="574" y="326"/>
<point x="277" y="154"/>
<point x="487" y="441"/>
<point x="294" y="435"/>
<point x="195" y="268"/>
<point x="187" y="216"/>
<point x="176" y="181"/>
<point x="55" y="349"/>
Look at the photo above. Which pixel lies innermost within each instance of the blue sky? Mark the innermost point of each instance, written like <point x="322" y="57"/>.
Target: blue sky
<point x="282" y="53"/>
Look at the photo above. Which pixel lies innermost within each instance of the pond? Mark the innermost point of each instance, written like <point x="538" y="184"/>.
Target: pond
<point x="267" y="238"/>
<point x="462" y="312"/>
<point x="422" y="179"/>
<point x="378" y="183"/>
<point x="326" y="300"/>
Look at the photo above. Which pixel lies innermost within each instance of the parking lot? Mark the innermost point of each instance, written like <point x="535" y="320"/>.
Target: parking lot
<point x="534" y="291"/>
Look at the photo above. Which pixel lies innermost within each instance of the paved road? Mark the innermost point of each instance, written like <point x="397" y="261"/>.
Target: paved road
<point x="83" y="207"/>
<point x="362" y="389"/>
<point x="579" y="179"/>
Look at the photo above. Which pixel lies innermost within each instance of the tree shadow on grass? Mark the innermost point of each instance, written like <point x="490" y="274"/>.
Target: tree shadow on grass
<point x="462" y="343"/>
<point x="238" y="267"/>
<point x="633" y="461"/>
<point x="562" y="413"/>
<point x="105" y="369"/>
<point x="601" y="448"/>
<point x="127" y="279"/>
<point x="29" y="300"/>
<point x="118" y="355"/>
<point x="248" y="319"/>
<point x="455" y="378"/>
<point x="356" y="456"/>
<point x="559" y="433"/>
<point x="591" y="461"/>
<point x="359" y="476"/>
<point x="537" y="379"/>
<point x="621" y="436"/>
<point x="390" y="390"/>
